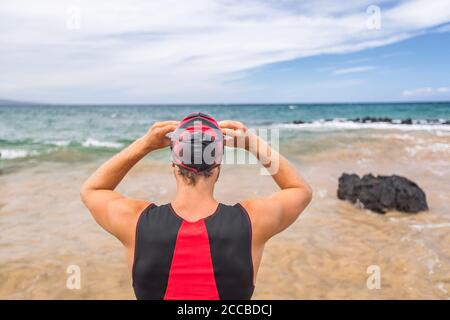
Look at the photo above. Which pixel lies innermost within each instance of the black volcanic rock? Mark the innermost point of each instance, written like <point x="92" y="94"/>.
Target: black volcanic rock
<point x="372" y="119"/>
<point x="407" y="121"/>
<point x="382" y="193"/>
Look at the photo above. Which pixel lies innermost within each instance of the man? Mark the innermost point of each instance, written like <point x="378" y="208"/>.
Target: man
<point x="195" y="247"/>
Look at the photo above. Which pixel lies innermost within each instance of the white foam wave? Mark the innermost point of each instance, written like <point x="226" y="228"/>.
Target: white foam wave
<point x="420" y="227"/>
<point x="395" y="136"/>
<point x="350" y="125"/>
<point x="14" y="154"/>
<point x="93" y="143"/>
<point x="59" y="143"/>
<point x="442" y="134"/>
<point x="433" y="148"/>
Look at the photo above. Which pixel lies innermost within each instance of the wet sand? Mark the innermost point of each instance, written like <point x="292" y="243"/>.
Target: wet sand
<point x="44" y="227"/>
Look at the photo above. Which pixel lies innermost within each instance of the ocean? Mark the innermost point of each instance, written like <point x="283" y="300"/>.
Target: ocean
<point x="45" y="131"/>
<point x="47" y="152"/>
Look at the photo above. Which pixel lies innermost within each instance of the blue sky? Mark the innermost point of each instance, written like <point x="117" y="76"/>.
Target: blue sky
<point x="224" y="51"/>
<point x="411" y="70"/>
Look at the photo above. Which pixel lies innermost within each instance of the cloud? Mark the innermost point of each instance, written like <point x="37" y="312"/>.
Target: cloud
<point x="444" y="28"/>
<point x="354" y="70"/>
<point x="426" y="91"/>
<point x="180" y="51"/>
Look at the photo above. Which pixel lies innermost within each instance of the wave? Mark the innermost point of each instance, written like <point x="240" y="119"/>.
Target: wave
<point x="58" y="143"/>
<point x="9" y="154"/>
<point x="369" y="123"/>
<point x="420" y="227"/>
<point x="13" y="147"/>
<point x="93" y="143"/>
<point x="434" y="148"/>
<point x="21" y="149"/>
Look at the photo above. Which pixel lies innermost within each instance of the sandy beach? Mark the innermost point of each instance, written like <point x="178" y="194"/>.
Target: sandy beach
<point x="337" y="87"/>
<point x="325" y="254"/>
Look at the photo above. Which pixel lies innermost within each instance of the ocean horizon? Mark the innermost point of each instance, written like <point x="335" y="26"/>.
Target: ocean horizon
<point x="36" y="130"/>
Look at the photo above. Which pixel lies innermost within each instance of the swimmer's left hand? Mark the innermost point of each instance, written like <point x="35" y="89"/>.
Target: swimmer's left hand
<point x="237" y="134"/>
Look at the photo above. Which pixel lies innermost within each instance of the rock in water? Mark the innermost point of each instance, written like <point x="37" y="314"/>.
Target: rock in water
<point x="382" y="193"/>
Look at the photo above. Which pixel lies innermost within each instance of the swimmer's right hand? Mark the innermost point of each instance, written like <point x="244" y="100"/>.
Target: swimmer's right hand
<point x="156" y="137"/>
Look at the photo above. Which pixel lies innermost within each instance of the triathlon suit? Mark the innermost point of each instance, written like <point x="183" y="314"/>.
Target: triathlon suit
<point x="209" y="259"/>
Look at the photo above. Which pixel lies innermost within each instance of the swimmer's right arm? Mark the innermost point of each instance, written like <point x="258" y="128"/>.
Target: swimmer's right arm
<point x="113" y="211"/>
<point x="273" y="214"/>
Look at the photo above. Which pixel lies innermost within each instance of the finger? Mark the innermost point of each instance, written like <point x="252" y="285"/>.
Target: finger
<point x="165" y="123"/>
<point x="229" y="132"/>
<point x="231" y="124"/>
<point x="166" y="142"/>
<point x="235" y="142"/>
<point x="230" y="143"/>
<point x="166" y="129"/>
<point x="234" y="138"/>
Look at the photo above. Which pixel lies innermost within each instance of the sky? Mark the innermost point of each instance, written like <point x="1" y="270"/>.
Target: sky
<point x="224" y="51"/>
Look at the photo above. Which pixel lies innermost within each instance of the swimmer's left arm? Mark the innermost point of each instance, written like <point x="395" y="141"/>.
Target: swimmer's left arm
<point x="114" y="212"/>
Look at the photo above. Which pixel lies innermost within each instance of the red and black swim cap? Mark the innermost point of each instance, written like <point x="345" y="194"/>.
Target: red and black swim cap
<point x="197" y="143"/>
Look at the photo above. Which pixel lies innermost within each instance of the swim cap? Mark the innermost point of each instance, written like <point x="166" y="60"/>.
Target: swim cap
<point x="197" y="143"/>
